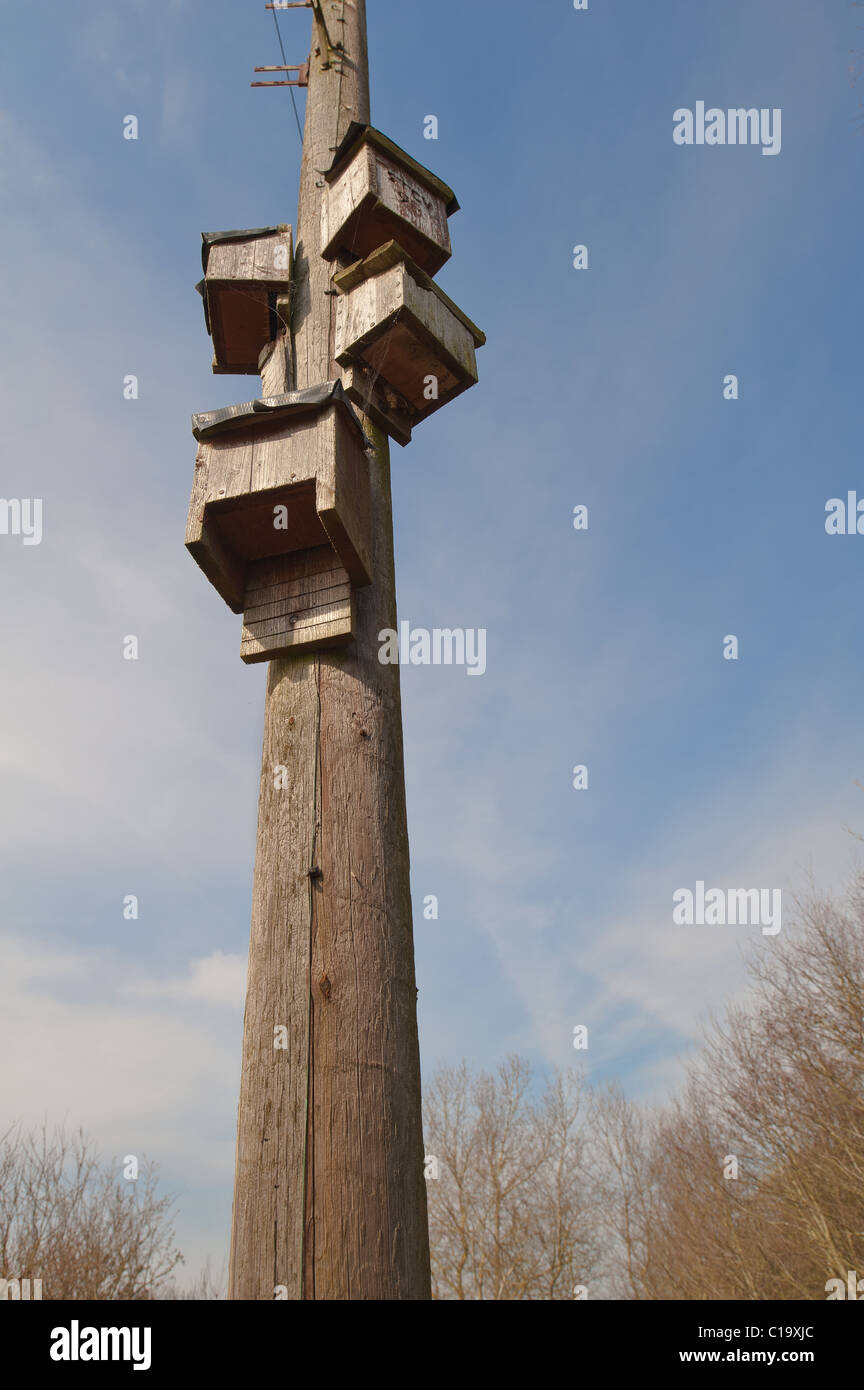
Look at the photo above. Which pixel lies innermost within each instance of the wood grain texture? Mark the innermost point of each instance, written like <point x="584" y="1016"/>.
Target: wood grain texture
<point x="376" y="398"/>
<point x="394" y="322"/>
<point x="342" y="499"/>
<point x="375" y="199"/>
<point x="330" y="1199"/>
<point x="223" y="569"/>
<point x="313" y="464"/>
<point x="251" y="260"/>
<point x="275" y="366"/>
<point x="243" y="281"/>
<point x="298" y="602"/>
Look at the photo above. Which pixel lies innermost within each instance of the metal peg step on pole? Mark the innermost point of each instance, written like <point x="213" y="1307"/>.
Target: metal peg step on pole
<point x="302" y="70"/>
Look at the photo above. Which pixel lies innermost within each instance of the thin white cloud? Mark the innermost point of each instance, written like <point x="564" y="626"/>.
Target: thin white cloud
<point x="218" y="980"/>
<point x="134" y="1059"/>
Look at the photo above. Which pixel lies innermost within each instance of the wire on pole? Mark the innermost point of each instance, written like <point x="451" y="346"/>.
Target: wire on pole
<point x="289" y="4"/>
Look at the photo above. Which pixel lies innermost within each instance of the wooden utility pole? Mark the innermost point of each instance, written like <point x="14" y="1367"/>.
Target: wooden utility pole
<point x="329" y="1199"/>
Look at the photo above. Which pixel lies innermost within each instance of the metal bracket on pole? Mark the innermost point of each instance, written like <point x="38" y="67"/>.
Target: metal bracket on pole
<point x="307" y="5"/>
<point x="316" y="7"/>
<point x="332" y="48"/>
<point x="301" y="69"/>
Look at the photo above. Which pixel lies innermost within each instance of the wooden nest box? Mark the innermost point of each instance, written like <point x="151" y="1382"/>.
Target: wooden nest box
<point x="280" y="517"/>
<point x="378" y="193"/>
<point x="245" y="273"/>
<point x="405" y="348"/>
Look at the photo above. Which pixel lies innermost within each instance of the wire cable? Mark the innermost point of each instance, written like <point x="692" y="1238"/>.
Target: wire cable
<point x="285" y="61"/>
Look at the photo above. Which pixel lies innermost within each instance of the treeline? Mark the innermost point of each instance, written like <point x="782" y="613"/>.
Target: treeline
<point x="748" y="1185"/>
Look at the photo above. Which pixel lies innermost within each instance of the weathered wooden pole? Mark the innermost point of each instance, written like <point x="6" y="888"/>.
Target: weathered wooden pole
<point x="329" y="1198"/>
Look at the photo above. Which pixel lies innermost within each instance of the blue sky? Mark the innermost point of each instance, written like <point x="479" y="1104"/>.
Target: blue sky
<point x="601" y="387"/>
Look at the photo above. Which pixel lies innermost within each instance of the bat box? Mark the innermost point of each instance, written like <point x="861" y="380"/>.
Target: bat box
<point x="297" y="602"/>
<point x="378" y="193"/>
<point x="406" y="349"/>
<point x="245" y="273"/>
<point x="280" y="516"/>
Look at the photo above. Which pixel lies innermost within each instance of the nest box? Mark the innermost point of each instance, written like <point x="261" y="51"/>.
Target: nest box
<point x="406" y="349"/>
<point x="280" y="516"/>
<point x="377" y="193"/>
<point x="245" y="273"/>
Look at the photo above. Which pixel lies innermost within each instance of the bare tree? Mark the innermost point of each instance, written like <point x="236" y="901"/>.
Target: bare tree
<point x="750" y="1185"/>
<point x="620" y="1136"/>
<point x="207" y="1287"/>
<point x="74" y="1222"/>
<point x="510" y="1211"/>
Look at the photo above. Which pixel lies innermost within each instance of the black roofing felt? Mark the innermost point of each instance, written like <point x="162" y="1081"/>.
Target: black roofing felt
<point x="211" y="238"/>
<point x="232" y="417"/>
